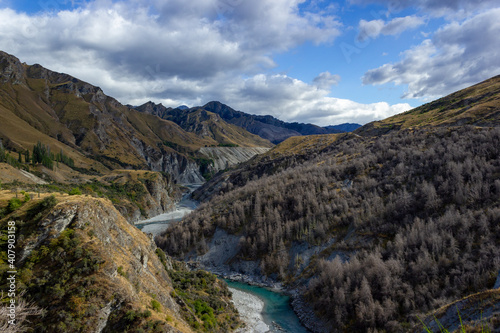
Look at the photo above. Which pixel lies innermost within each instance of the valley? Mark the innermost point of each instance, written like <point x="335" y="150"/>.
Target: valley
<point x="386" y="228"/>
<point x="262" y="310"/>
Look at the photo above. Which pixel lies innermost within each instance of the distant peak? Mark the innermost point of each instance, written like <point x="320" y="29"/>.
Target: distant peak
<point x="182" y="107"/>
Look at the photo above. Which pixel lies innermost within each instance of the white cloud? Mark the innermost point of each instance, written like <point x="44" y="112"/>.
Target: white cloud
<point x="325" y="80"/>
<point x="459" y="54"/>
<point x="290" y="99"/>
<point x="179" y="52"/>
<point x="374" y="28"/>
<point x="189" y="53"/>
<point x="436" y="8"/>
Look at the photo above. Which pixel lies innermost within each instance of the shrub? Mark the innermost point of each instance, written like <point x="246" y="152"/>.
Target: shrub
<point x="14" y="204"/>
<point x="75" y="191"/>
<point x="155" y="305"/>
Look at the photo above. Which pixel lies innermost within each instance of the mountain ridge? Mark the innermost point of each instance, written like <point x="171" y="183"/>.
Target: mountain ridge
<point x="476" y="105"/>
<point x="267" y="126"/>
<point x="99" y="133"/>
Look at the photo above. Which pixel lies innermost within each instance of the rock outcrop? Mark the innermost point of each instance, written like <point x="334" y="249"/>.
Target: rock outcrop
<point x="225" y="157"/>
<point x="94" y="269"/>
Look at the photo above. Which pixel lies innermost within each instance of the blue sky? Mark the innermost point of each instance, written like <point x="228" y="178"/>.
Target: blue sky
<point x="325" y="62"/>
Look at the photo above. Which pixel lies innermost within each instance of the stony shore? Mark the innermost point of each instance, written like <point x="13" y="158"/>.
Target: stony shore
<point x="305" y="314"/>
<point x="250" y="309"/>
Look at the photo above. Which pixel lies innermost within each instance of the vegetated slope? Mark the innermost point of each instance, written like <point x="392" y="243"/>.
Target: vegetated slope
<point x="374" y="229"/>
<point x="477" y="105"/>
<point x="268" y="127"/>
<point x="207" y="125"/>
<point x="93" y="129"/>
<point x="468" y="314"/>
<point x="416" y="213"/>
<point x="79" y="260"/>
<point x="290" y="152"/>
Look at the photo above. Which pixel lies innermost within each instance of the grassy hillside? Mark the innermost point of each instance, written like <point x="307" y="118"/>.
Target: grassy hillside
<point x="96" y="131"/>
<point x="478" y="105"/>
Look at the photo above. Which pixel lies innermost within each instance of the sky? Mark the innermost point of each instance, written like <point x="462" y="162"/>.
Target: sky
<point x="317" y="61"/>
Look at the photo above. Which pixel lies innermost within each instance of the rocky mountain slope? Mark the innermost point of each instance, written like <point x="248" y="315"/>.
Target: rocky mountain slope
<point x="266" y="127"/>
<point x="80" y="261"/>
<point x="206" y="125"/>
<point x="225" y="157"/>
<point x="97" y="132"/>
<point x="359" y="224"/>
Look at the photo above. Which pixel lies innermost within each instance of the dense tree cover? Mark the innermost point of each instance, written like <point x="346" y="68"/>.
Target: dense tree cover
<point x="424" y="206"/>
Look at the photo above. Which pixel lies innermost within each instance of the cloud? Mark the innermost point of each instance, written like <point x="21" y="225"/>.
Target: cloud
<point x="178" y="52"/>
<point x="195" y="39"/>
<point x="294" y="100"/>
<point x="374" y="28"/>
<point x="459" y="54"/>
<point x="436" y="8"/>
<point x="325" y="80"/>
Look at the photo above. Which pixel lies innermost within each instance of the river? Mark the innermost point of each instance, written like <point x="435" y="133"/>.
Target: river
<point x="159" y="223"/>
<point x="263" y="309"/>
<point x="277" y="313"/>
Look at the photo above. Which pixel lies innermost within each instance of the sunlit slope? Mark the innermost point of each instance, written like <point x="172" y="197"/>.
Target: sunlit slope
<point x="478" y="105"/>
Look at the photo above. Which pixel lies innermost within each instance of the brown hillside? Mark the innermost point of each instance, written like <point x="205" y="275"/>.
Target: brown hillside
<point x="478" y="105"/>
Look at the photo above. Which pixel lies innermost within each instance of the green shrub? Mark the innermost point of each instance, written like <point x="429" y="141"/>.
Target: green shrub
<point x="75" y="191"/>
<point x="14" y="204"/>
<point x="155" y="305"/>
<point x="121" y="272"/>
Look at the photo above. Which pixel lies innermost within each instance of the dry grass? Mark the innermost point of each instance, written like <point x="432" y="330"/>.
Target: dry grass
<point x="476" y="105"/>
<point x="301" y="144"/>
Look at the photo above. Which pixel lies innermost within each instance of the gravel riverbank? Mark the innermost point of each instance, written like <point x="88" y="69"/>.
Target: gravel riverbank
<point x="250" y="308"/>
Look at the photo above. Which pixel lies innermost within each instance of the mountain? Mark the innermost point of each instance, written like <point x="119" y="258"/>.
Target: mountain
<point x="269" y="127"/>
<point x="206" y="125"/>
<point x="371" y="229"/>
<point x="347" y="127"/>
<point x="77" y="120"/>
<point x="93" y="129"/>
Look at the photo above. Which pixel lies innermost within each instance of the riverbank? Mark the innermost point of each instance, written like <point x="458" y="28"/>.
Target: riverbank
<point x="305" y="315"/>
<point x="250" y="309"/>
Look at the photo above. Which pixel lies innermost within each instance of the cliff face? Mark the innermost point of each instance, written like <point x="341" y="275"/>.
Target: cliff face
<point x="225" y="157"/>
<point x="89" y="267"/>
<point x="149" y="193"/>
<point x="91" y="270"/>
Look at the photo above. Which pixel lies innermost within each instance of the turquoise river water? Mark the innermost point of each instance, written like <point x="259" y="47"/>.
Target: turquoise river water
<point x="276" y="307"/>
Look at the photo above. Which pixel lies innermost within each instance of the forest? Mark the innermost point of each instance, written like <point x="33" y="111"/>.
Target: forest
<point x="416" y="212"/>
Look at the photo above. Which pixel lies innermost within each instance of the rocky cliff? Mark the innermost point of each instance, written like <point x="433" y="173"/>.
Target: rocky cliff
<point x="81" y="261"/>
<point x="225" y="157"/>
<point x="150" y="193"/>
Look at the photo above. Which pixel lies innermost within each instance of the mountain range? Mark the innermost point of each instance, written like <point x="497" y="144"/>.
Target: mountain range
<point x="267" y="127"/>
<point x="100" y="134"/>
